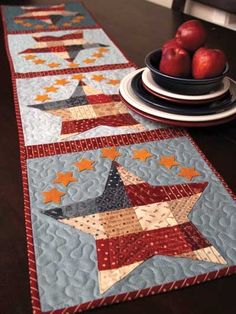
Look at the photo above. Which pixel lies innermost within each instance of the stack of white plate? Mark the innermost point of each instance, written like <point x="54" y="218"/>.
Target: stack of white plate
<point x="143" y="95"/>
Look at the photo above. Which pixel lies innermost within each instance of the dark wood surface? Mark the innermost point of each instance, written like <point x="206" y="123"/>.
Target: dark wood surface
<point x="138" y="27"/>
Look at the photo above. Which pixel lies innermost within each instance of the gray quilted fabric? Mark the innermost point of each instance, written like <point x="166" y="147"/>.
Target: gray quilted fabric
<point x="66" y="258"/>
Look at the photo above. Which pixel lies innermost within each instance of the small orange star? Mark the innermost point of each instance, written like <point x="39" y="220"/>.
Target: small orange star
<point x="42" y="98"/>
<point x="61" y="82"/>
<point x="19" y="21"/>
<point x="110" y="153"/>
<point x="98" y="55"/>
<point x="188" y="173"/>
<point x="52" y="26"/>
<point x="84" y="164"/>
<point x="53" y="65"/>
<point x="65" y="178"/>
<point x="78" y="19"/>
<point x="66" y="24"/>
<point x="73" y="65"/>
<point x="168" y="161"/>
<point x="78" y="76"/>
<point x="113" y="82"/>
<point x="39" y="61"/>
<point x="29" y="57"/>
<point x="102" y="49"/>
<point x="27" y="24"/>
<point x="88" y="60"/>
<point x="51" y="89"/>
<point x="98" y="78"/>
<point x="38" y="26"/>
<point x="141" y="154"/>
<point x="52" y="195"/>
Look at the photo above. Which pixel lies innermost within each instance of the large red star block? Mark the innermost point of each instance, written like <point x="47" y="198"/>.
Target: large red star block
<point x="88" y="108"/>
<point x="48" y="15"/>
<point x="66" y="46"/>
<point x="155" y="223"/>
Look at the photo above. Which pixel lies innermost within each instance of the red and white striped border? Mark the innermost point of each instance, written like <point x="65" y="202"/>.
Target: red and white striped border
<point x="28" y="224"/>
<point x="29" y="235"/>
<point x="51" y="149"/>
<point x="146" y="292"/>
<point x="75" y="70"/>
<point x="31" y="31"/>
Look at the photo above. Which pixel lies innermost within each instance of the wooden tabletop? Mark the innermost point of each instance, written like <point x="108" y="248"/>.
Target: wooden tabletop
<point x="138" y="27"/>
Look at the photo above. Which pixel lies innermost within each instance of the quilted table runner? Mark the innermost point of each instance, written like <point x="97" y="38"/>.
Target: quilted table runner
<point x="116" y="206"/>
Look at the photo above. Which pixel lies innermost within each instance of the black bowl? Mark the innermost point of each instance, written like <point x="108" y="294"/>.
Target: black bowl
<point x="186" y="86"/>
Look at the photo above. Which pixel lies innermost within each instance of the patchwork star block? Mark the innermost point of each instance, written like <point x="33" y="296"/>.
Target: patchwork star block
<point x="49" y="15"/>
<point x="133" y="221"/>
<point x="66" y="46"/>
<point x="86" y="108"/>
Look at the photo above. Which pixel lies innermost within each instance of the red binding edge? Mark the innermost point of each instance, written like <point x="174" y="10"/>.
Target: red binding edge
<point x="34" y="291"/>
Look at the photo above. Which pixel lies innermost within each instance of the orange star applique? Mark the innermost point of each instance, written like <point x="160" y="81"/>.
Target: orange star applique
<point x="19" y="21"/>
<point x="51" y="89"/>
<point x="53" y="65"/>
<point x="98" y="55"/>
<point x="188" y="173"/>
<point x="29" y="57"/>
<point x="42" y="98"/>
<point x="52" y="26"/>
<point x="102" y="49"/>
<point x="66" y="24"/>
<point x="65" y="178"/>
<point x="27" y="24"/>
<point x="84" y="164"/>
<point x="53" y="195"/>
<point x="88" y="60"/>
<point x="168" y="161"/>
<point x="141" y="154"/>
<point x="110" y="153"/>
<point x="98" y="78"/>
<point x="73" y="65"/>
<point x="39" y="61"/>
<point x="78" y="19"/>
<point x="78" y="76"/>
<point x="38" y="26"/>
<point x="113" y="82"/>
<point x="61" y="82"/>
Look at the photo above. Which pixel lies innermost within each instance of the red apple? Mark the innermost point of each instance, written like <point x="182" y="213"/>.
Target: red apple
<point x="175" y="62"/>
<point x="208" y="63"/>
<point x="191" y="35"/>
<point x="171" y="43"/>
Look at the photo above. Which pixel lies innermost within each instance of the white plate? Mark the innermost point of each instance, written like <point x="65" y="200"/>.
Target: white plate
<point x="151" y="84"/>
<point x="129" y="96"/>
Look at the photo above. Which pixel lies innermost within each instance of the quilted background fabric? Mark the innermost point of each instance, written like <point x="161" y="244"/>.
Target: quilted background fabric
<point x="116" y="206"/>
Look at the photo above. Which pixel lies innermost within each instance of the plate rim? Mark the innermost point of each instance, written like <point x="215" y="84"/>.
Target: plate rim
<point x="141" y="105"/>
<point x="170" y="107"/>
<point x="149" y="82"/>
<point x="184" y="101"/>
<point x="179" y="123"/>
